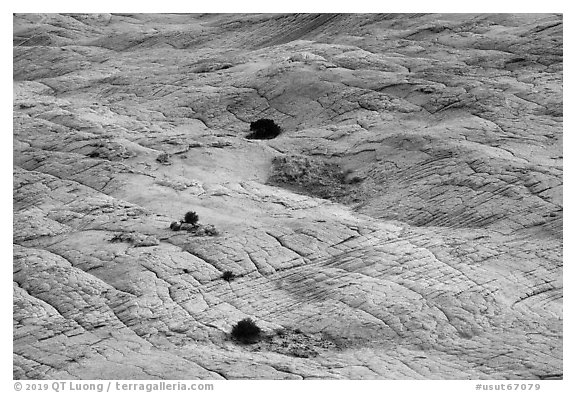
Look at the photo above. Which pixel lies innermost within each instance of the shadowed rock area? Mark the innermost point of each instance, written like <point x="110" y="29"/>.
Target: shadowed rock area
<point x="406" y="223"/>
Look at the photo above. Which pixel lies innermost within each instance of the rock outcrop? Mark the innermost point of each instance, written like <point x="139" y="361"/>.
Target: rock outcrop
<point x="406" y="224"/>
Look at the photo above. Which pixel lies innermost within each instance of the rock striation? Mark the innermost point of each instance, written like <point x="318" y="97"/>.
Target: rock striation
<point x="406" y="223"/>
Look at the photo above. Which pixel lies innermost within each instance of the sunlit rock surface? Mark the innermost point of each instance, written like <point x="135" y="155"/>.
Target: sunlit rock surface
<point x="407" y="223"/>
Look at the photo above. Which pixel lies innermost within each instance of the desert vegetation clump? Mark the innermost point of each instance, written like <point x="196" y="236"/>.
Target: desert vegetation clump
<point x="208" y="230"/>
<point x="190" y="224"/>
<point x="314" y="176"/>
<point x="191" y="218"/>
<point x="294" y="342"/>
<point x="246" y="331"/>
<point x="228" y="276"/>
<point x="136" y="239"/>
<point x="119" y="237"/>
<point x="163" y="158"/>
<point x="264" y="129"/>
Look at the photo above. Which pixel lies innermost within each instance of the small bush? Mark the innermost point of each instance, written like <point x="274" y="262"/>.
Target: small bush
<point x="163" y="158"/>
<point x="228" y="276"/>
<point x="137" y="239"/>
<point x="119" y="237"/>
<point x="264" y="129"/>
<point x="175" y="226"/>
<point x="246" y="331"/>
<point x="191" y="218"/>
<point x="210" y="230"/>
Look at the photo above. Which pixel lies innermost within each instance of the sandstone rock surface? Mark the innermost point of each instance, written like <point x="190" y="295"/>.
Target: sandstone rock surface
<point x="407" y="223"/>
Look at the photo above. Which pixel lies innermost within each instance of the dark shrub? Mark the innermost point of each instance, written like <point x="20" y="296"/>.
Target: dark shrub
<point x="246" y="331"/>
<point x="175" y="226"/>
<point x="191" y="218"/>
<point x="228" y="276"/>
<point x="264" y="129"/>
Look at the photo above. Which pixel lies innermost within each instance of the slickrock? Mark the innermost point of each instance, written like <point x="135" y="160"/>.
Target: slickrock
<point x="406" y="224"/>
